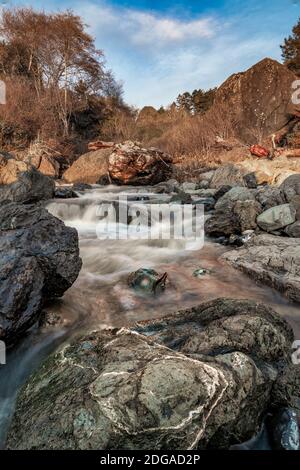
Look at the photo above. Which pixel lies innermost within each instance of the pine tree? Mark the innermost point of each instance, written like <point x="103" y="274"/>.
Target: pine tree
<point x="291" y="50"/>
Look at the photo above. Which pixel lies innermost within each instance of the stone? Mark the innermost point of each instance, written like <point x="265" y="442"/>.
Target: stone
<point x="129" y="163"/>
<point x="221" y="191"/>
<point x="81" y="187"/>
<point x="21" y="182"/>
<point x="235" y="212"/>
<point x="269" y="196"/>
<point x="66" y="192"/>
<point x="276" y="218"/>
<point x="39" y="260"/>
<point x="291" y="187"/>
<point x="293" y="230"/>
<point x="88" y="168"/>
<point x="271" y="260"/>
<point x="250" y="180"/>
<point x="147" y="281"/>
<point x="201" y="378"/>
<point x="227" y="175"/>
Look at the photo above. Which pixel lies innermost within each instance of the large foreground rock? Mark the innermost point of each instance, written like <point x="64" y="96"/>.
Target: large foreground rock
<point x="272" y="260"/>
<point x="21" y="182"/>
<point x="132" y="164"/>
<point x="39" y="259"/>
<point x="89" y="168"/>
<point x="201" y="378"/>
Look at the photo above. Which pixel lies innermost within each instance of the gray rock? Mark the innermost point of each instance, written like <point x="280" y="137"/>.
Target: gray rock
<point x="227" y="175"/>
<point x="270" y="196"/>
<point x="276" y="217"/>
<point x="202" y="377"/>
<point x="291" y="187"/>
<point x="250" y="180"/>
<point x="295" y="202"/>
<point x="272" y="260"/>
<point x="235" y="212"/>
<point x="293" y="230"/>
<point x="39" y="259"/>
<point x="30" y="186"/>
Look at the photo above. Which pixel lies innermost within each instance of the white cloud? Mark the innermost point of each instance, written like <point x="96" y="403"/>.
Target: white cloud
<point x="158" y="56"/>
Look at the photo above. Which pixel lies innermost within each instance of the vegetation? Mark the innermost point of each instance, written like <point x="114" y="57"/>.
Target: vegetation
<point x="56" y="80"/>
<point x="291" y="50"/>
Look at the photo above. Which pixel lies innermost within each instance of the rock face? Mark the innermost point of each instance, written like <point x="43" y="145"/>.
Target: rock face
<point x="39" y="259"/>
<point x="200" y="378"/>
<point x="235" y="212"/>
<point x="272" y="260"/>
<point x="131" y="164"/>
<point x="21" y="182"/>
<point x="268" y="85"/>
<point x="89" y="168"/>
<point x="277" y="218"/>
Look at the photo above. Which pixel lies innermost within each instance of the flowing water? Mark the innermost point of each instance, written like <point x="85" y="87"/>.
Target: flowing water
<point x="101" y="298"/>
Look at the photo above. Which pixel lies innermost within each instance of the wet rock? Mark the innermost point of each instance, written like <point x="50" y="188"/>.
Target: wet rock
<point x="200" y="378"/>
<point x="284" y="431"/>
<point x="39" y="259"/>
<point x="293" y="230"/>
<point x="200" y="272"/>
<point x="291" y="187"/>
<point x="181" y="197"/>
<point x="271" y="260"/>
<point x="235" y="212"/>
<point x="88" y="168"/>
<point x="270" y="196"/>
<point x="131" y="164"/>
<point x="21" y="182"/>
<point x="148" y="281"/>
<point x="81" y="187"/>
<point x="209" y="203"/>
<point x="276" y="218"/>
<point x="104" y="180"/>
<point x="64" y="193"/>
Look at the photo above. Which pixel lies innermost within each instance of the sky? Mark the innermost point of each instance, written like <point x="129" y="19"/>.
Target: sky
<point x="160" y="48"/>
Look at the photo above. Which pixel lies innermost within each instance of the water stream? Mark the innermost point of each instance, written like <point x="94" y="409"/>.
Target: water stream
<point x="101" y="298"/>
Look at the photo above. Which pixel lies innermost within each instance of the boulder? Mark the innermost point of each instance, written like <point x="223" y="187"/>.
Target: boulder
<point x="272" y="260"/>
<point x="39" y="259"/>
<point x="293" y="230"/>
<point x="267" y="87"/>
<point x="271" y="171"/>
<point x="203" y="377"/>
<point x="89" y="167"/>
<point x="64" y="192"/>
<point x="235" y="212"/>
<point x="227" y="175"/>
<point x="295" y="202"/>
<point x="270" y="196"/>
<point x="21" y="182"/>
<point x="277" y="217"/>
<point x="131" y="164"/>
<point x="291" y="187"/>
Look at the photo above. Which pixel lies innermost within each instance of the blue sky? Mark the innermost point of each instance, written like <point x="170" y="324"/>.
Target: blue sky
<point x="159" y="48"/>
